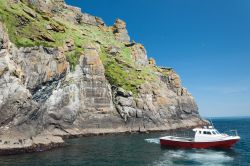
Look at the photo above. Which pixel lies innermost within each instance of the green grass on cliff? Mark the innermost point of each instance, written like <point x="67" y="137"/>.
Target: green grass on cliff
<point x="27" y="31"/>
<point x="122" y="72"/>
<point x="24" y="30"/>
<point x="73" y="57"/>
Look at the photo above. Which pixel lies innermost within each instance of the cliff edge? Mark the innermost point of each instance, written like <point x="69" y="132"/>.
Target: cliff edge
<point x="66" y="73"/>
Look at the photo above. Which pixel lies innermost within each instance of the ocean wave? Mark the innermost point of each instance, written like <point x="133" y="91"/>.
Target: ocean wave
<point x="153" y="140"/>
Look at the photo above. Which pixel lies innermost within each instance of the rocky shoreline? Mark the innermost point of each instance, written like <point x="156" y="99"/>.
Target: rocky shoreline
<point x="11" y="146"/>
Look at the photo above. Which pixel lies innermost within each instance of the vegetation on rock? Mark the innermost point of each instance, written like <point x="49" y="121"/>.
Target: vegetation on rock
<point x="28" y="27"/>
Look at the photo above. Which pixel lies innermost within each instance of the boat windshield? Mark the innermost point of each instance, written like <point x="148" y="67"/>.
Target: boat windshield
<point x="216" y="132"/>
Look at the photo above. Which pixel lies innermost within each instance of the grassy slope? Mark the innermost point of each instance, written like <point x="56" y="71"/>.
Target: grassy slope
<point x="120" y="70"/>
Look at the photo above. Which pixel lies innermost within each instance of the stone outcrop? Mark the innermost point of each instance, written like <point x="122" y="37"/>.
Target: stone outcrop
<point x="66" y="90"/>
<point x="120" y="31"/>
<point x="151" y="62"/>
<point x="81" y="97"/>
<point x="156" y="106"/>
<point x="49" y="6"/>
<point x="139" y="54"/>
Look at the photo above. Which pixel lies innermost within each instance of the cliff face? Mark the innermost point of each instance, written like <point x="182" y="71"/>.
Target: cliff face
<point x="63" y="72"/>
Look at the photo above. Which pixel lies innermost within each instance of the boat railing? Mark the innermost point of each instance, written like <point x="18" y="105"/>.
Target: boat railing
<point x="231" y="132"/>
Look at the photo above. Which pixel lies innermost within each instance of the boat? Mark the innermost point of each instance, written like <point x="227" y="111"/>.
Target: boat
<point x="203" y="138"/>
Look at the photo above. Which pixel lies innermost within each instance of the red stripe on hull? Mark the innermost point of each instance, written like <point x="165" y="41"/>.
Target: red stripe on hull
<point x="198" y="145"/>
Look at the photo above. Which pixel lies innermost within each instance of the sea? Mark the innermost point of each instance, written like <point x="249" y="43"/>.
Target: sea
<point x="139" y="150"/>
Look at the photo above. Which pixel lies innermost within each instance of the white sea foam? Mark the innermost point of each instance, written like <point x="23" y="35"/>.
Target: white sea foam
<point x="153" y="140"/>
<point x="210" y="157"/>
<point x="199" y="157"/>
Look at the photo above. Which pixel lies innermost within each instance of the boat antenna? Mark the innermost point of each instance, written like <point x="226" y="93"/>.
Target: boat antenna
<point x="211" y="122"/>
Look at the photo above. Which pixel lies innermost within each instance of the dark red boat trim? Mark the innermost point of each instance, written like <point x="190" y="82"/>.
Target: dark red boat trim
<point x="198" y="145"/>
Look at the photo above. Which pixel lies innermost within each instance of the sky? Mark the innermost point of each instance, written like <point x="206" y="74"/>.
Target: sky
<point x="207" y="42"/>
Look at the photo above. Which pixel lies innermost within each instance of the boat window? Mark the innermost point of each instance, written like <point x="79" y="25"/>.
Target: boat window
<point x="214" y="132"/>
<point x="199" y="132"/>
<point x="207" y="132"/>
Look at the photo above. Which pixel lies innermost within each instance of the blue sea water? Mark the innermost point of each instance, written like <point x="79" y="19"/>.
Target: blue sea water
<point x="139" y="149"/>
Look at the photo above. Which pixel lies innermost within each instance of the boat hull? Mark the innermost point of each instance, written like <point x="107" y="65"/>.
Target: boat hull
<point x="198" y="145"/>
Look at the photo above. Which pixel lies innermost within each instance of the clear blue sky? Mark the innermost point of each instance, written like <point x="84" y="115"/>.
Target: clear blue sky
<point x="206" y="41"/>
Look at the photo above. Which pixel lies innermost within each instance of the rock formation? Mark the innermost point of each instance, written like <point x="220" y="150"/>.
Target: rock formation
<point x="120" y="31"/>
<point x="65" y="73"/>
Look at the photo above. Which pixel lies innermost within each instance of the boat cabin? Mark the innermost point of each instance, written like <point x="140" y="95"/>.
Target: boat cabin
<point x="208" y="133"/>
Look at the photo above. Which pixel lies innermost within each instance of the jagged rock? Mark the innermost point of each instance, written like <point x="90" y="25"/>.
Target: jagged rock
<point x="100" y="21"/>
<point x="120" y="31"/>
<point x="175" y="80"/>
<point x="84" y="18"/>
<point x="53" y="6"/>
<point x="45" y="37"/>
<point x="88" y="19"/>
<point x="56" y="28"/>
<point x="139" y="54"/>
<point x="113" y="50"/>
<point x="30" y="13"/>
<point x="151" y="62"/>
<point x="120" y="24"/>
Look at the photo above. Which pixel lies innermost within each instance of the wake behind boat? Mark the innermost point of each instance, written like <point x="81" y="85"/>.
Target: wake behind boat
<point x="206" y="137"/>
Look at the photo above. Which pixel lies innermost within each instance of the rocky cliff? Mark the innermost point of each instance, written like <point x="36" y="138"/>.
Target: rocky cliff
<point x="65" y="73"/>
